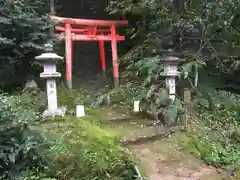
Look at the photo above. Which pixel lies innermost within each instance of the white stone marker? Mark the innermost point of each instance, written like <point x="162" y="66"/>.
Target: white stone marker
<point x="171" y="85"/>
<point x="136" y="107"/>
<point x="171" y="72"/>
<point x="49" y="60"/>
<point x="80" y="111"/>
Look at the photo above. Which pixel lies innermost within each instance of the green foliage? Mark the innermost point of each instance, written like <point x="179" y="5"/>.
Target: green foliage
<point x="171" y="115"/>
<point x="13" y="113"/>
<point x="20" y="146"/>
<point x="24" y="26"/>
<point x="36" y="100"/>
<point x="74" y="97"/>
<point x="193" y="30"/>
<point x="154" y="101"/>
<point x="121" y="97"/>
<point x="35" y="175"/>
<point x="217" y="139"/>
<point x="84" y="150"/>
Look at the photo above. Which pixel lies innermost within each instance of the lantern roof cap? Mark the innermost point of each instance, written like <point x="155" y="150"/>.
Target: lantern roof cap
<point x="48" y="56"/>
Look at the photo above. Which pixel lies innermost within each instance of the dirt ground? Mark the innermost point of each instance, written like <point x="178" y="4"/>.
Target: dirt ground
<point x="163" y="161"/>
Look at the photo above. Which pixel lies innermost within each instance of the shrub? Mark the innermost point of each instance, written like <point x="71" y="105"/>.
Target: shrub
<point x="19" y="144"/>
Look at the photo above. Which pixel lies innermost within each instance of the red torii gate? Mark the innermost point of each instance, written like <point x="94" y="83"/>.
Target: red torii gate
<point x="90" y="30"/>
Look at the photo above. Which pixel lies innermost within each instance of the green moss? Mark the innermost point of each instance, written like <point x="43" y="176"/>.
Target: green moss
<point x="187" y="143"/>
<point x="238" y="172"/>
<point x="84" y="150"/>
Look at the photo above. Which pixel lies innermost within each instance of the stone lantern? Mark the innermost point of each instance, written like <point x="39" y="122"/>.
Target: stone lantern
<point x="49" y="60"/>
<point x="170" y="66"/>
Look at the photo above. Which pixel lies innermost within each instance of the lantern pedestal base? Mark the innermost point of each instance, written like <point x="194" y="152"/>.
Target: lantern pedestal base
<point x="61" y="111"/>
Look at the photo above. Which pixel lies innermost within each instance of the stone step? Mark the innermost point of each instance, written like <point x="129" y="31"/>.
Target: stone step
<point x="132" y="120"/>
<point x="118" y="120"/>
<point x="146" y="136"/>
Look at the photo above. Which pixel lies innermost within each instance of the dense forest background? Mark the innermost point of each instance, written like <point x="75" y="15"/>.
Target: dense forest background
<point x="205" y="33"/>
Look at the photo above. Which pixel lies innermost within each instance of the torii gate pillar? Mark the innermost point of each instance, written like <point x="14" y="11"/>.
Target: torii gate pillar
<point x="115" y="56"/>
<point x="68" y="49"/>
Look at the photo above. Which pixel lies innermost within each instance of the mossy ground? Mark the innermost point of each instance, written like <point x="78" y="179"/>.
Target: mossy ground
<point x="80" y="145"/>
